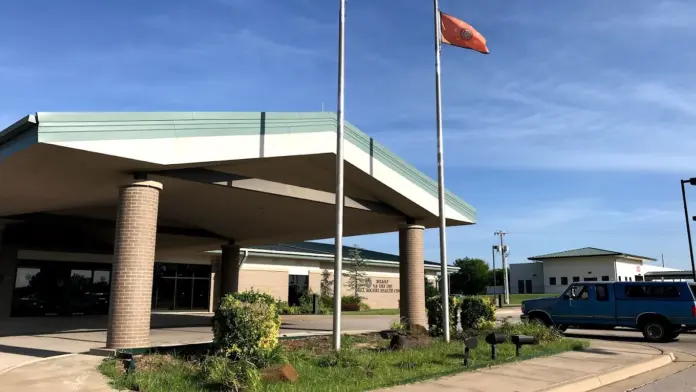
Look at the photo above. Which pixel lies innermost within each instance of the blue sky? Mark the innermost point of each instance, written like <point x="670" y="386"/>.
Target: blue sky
<point x="574" y="131"/>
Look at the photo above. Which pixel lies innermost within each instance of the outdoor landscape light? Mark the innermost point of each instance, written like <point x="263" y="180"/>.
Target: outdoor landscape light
<point x="469" y="344"/>
<point x="495" y="338"/>
<point x="521" y="340"/>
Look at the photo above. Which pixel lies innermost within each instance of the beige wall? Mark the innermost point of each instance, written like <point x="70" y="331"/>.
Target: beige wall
<point x="274" y="283"/>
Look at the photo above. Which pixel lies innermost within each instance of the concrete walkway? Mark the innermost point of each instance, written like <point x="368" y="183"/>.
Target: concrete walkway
<point x="602" y="364"/>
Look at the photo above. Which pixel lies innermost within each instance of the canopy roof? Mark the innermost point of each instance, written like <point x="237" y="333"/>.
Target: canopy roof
<point x="255" y="178"/>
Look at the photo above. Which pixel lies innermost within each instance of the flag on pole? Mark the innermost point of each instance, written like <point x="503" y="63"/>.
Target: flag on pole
<point x="456" y="32"/>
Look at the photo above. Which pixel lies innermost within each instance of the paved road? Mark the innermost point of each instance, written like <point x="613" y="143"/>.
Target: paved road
<point x="677" y="377"/>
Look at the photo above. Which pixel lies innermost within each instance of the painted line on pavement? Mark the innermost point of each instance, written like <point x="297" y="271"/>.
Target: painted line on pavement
<point x="30" y="362"/>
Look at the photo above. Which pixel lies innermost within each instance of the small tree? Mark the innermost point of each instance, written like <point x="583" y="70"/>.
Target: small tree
<point x="357" y="278"/>
<point x="326" y="288"/>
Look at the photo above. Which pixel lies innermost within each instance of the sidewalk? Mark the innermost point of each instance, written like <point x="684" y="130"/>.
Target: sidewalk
<point x="604" y="363"/>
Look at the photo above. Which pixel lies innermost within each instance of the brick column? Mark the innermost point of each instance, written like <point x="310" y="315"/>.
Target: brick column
<point x="412" y="275"/>
<point x="134" y="261"/>
<point x="229" y="269"/>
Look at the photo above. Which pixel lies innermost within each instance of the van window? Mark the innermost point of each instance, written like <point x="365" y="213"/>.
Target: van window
<point x="645" y="291"/>
<point x="602" y="292"/>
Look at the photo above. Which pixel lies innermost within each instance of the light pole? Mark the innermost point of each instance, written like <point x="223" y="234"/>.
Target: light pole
<point x="691" y="181"/>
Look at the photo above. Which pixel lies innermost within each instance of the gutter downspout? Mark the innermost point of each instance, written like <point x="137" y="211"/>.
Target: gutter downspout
<point x="246" y="254"/>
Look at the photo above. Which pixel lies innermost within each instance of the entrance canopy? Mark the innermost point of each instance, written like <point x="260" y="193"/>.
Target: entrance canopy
<point x="255" y="178"/>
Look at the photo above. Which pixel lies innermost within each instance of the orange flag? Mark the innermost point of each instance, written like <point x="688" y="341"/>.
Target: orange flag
<point x="456" y="32"/>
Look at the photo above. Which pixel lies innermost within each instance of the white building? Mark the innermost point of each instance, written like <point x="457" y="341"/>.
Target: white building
<point x="552" y="273"/>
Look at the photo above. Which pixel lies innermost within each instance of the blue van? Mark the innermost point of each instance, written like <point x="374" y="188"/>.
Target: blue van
<point x="661" y="310"/>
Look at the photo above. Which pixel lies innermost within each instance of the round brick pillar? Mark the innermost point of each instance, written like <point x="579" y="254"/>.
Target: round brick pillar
<point x="134" y="260"/>
<point x="229" y="268"/>
<point x="412" y="275"/>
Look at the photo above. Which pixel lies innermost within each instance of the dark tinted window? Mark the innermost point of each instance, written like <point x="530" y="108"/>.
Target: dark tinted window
<point x="693" y="289"/>
<point x="602" y="292"/>
<point x="576" y="278"/>
<point x="552" y="281"/>
<point x="564" y="280"/>
<point x="640" y="291"/>
<point x="605" y="278"/>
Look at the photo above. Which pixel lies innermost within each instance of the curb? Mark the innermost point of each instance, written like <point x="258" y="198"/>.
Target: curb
<point x="11" y="368"/>
<point x="597" y="381"/>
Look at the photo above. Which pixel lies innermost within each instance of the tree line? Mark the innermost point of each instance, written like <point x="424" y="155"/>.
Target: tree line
<point x="473" y="277"/>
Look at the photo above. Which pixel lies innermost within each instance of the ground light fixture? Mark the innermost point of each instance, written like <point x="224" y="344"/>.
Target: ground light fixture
<point x="469" y="344"/>
<point x="522" y="340"/>
<point x="495" y="338"/>
<point x="690" y="181"/>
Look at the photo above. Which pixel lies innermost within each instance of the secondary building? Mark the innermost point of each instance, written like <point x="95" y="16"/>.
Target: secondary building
<point x="91" y="201"/>
<point x="553" y="272"/>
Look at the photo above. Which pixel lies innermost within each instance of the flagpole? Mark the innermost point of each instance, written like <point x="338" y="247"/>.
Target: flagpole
<point x="441" y="181"/>
<point x="338" y="257"/>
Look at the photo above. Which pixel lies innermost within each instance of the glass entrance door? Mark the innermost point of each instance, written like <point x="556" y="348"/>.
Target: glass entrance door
<point x="181" y="287"/>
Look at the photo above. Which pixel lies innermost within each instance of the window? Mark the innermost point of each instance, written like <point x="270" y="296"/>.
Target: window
<point x="605" y="278"/>
<point x="564" y="280"/>
<point x="619" y="279"/>
<point x="644" y="291"/>
<point x="579" y="292"/>
<point x="576" y="278"/>
<point x="602" y="292"/>
<point x="552" y="281"/>
<point x="590" y="279"/>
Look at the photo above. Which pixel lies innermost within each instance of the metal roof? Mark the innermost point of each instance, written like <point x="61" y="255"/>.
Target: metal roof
<point x="585" y="252"/>
<point x="670" y="274"/>
<point x="324" y="249"/>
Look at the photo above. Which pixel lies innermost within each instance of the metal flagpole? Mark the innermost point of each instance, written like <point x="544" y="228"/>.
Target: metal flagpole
<point x="441" y="180"/>
<point x="338" y="257"/>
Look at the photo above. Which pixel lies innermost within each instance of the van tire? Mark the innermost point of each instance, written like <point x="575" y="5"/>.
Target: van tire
<point x="540" y="318"/>
<point x="656" y="330"/>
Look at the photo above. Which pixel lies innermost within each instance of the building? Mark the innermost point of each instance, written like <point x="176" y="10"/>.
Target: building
<point x="552" y="273"/>
<point x="94" y="200"/>
<point x="285" y="271"/>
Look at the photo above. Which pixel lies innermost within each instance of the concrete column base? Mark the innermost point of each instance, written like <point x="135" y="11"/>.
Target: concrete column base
<point x="412" y="275"/>
<point x="134" y="260"/>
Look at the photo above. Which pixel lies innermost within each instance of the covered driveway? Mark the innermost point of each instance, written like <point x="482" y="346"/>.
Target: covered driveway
<point x="149" y="185"/>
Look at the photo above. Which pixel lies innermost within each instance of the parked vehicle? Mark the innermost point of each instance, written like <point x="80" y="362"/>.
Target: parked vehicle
<point x="661" y="310"/>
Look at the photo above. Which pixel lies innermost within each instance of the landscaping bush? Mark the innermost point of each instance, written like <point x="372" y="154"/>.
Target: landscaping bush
<point x="245" y="326"/>
<point x="227" y="375"/>
<point x="477" y="312"/>
<point x="283" y="308"/>
<point x="351" y="303"/>
<point x="543" y="333"/>
<point x="434" y="307"/>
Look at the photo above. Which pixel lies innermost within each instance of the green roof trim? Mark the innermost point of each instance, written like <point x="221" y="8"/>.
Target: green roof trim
<point x="75" y="126"/>
<point x="326" y="249"/>
<point x="585" y="252"/>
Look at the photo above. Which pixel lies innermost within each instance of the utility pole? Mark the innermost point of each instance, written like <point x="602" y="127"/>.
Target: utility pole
<point x="662" y="256"/>
<point x="503" y="251"/>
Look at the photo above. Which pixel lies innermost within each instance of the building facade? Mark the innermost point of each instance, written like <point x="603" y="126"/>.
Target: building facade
<point x="552" y="273"/>
<point x="58" y="283"/>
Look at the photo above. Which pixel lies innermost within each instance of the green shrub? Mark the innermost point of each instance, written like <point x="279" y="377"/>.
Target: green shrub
<point x="434" y="307"/>
<point x="351" y="303"/>
<point x="477" y="312"/>
<point x="252" y="296"/>
<point x="543" y="333"/>
<point x="245" y="327"/>
<point x="364" y="306"/>
<point x="227" y="375"/>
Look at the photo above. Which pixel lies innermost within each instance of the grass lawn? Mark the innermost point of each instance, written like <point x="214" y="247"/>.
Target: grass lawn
<point x="373" y="312"/>
<point x="516" y="299"/>
<point x="364" y="364"/>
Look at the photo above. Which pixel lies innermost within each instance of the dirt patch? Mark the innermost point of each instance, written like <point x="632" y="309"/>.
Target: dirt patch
<point x="321" y="345"/>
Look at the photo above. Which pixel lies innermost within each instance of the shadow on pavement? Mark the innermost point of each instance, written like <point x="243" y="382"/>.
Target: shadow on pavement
<point x="32" y="352"/>
<point x="27" y="326"/>
<point x="613" y="338"/>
